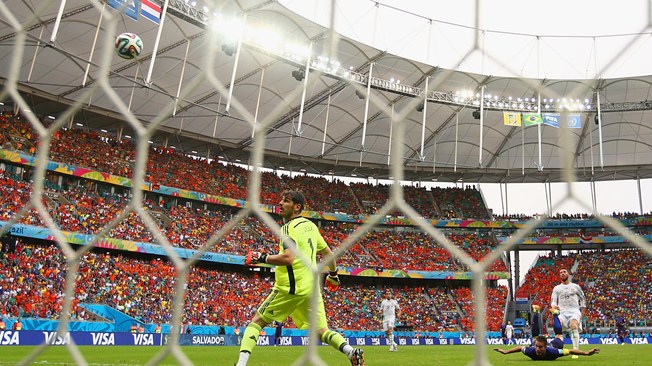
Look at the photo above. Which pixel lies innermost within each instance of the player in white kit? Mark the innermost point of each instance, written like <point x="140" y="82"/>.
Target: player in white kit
<point x="569" y="302"/>
<point x="391" y="310"/>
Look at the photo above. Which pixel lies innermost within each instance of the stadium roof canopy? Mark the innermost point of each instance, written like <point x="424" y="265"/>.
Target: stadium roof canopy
<point x="334" y="129"/>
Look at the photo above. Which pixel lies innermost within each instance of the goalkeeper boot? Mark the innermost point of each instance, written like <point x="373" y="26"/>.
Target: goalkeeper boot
<point x="357" y="358"/>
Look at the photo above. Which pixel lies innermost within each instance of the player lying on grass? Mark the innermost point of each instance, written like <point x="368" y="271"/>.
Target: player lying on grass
<point x="542" y="351"/>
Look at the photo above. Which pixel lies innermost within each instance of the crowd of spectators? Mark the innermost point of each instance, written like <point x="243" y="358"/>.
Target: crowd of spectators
<point x="461" y="203"/>
<point x="33" y="278"/>
<point x="88" y="212"/>
<point x="564" y="216"/>
<point x="166" y="166"/>
<point x="495" y="305"/>
<point x="32" y="284"/>
<point x="617" y="284"/>
<point x="334" y="196"/>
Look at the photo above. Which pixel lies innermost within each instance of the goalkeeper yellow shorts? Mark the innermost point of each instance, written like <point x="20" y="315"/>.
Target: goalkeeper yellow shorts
<point x="278" y="306"/>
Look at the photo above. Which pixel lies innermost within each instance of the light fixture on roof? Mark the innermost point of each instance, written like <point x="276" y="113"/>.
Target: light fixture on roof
<point x="228" y="49"/>
<point x="298" y="75"/>
<point x="150" y="141"/>
<point x="79" y="124"/>
<point x="51" y="117"/>
<point x="103" y="130"/>
<point x="127" y="136"/>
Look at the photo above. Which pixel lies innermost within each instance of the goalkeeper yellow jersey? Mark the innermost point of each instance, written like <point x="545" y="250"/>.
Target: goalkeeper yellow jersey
<point x="297" y="279"/>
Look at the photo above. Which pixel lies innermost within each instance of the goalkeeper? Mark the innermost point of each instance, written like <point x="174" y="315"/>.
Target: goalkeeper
<point x="294" y="282"/>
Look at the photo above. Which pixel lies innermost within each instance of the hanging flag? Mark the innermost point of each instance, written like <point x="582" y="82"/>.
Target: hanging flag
<point x="551" y="119"/>
<point x="150" y="10"/>
<point x="128" y="7"/>
<point x="574" y="121"/>
<point x="512" y="118"/>
<point x="531" y="119"/>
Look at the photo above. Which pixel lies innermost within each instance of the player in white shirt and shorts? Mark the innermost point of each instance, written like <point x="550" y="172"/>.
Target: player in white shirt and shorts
<point x="569" y="302"/>
<point x="391" y="310"/>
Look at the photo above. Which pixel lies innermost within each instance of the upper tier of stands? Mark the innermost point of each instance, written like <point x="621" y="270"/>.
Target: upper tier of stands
<point x="166" y="166"/>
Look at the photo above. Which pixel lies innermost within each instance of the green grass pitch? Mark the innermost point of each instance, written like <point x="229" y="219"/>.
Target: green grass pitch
<point x="281" y="356"/>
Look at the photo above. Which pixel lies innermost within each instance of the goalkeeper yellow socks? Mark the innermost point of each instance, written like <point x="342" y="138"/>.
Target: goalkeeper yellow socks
<point x="336" y="341"/>
<point x="248" y="343"/>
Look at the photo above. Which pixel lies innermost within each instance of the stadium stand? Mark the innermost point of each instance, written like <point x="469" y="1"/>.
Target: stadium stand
<point x="86" y="208"/>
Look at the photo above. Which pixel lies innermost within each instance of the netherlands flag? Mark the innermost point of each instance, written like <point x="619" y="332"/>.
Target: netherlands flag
<point x="150" y="10"/>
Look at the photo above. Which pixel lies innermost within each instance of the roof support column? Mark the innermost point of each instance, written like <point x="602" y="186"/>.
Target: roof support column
<point x="58" y="21"/>
<point x="600" y="129"/>
<point x="90" y="57"/>
<point x="164" y="10"/>
<point x="183" y="70"/>
<point x="391" y="127"/>
<point x="38" y="46"/>
<point x="550" y="198"/>
<point x="260" y="91"/>
<point x="305" y="87"/>
<point x="366" y="106"/>
<point x="217" y="115"/>
<point x="457" y="127"/>
<point x="481" y="124"/>
<point x="328" y="109"/>
<point x="133" y="87"/>
<point x="594" y="202"/>
<point x="540" y="165"/>
<point x="235" y="66"/>
<point x="506" y="201"/>
<point x="423" y="120"/>
<point x="640" y="198"/>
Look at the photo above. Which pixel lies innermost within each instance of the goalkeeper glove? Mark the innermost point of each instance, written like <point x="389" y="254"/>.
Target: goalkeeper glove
<point x="255" y="258"/>
<point x="332" y="281"/>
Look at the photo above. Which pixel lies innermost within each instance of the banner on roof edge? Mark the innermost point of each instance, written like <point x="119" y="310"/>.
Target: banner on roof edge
<point x="151" y="11"/>
<point x="531" y="119"/>
<point x="128" y="7"/>
<point x="574" y="121"/>
<point x="551" y="119"/>
<point x="554" y="119"/>
<point x="512" y="118"/>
